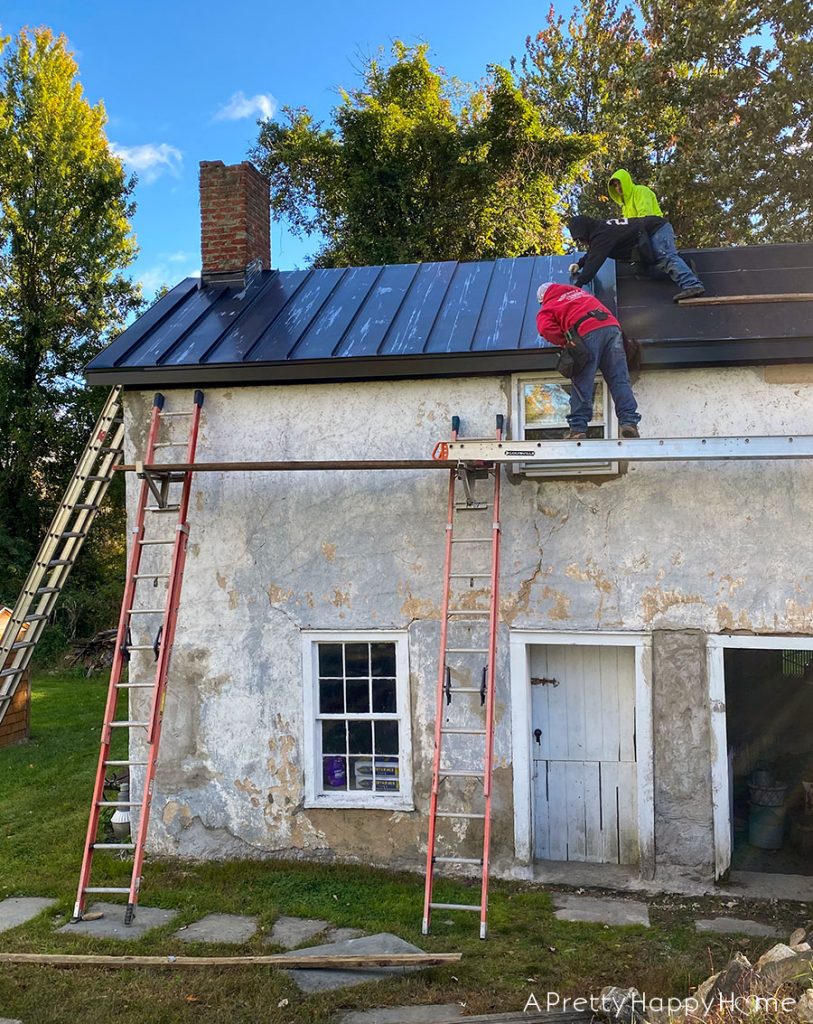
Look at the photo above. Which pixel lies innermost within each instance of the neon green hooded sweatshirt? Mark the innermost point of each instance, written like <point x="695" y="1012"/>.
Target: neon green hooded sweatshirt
<point x="635" y="200"/>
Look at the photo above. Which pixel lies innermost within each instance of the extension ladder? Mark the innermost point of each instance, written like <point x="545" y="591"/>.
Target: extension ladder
<point x="477" y="650"/>
<point x="73" y="518"/>
<point x="156" y="485"/>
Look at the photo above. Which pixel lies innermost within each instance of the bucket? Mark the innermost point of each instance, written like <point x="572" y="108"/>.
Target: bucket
<point x="766" y="827"/>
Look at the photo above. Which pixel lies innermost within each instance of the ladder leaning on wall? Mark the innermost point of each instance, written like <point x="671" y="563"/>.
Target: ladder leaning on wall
<point x="452" y="760"/>
<point x="58" y="552"/>
<point x="160" y="645"/>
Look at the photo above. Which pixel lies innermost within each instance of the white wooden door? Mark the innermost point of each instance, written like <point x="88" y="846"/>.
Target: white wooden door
<point x="584" y="755"/>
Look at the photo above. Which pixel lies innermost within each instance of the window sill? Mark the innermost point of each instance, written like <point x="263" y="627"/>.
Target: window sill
<point x="335" y="801"/>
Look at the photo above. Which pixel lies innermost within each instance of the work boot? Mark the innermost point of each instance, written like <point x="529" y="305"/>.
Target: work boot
<point x="628" y="430"/>
<point x="574" y="435"/>
<point x="690" y="293"/>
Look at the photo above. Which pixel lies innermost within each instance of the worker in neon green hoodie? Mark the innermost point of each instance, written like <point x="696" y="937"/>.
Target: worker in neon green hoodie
<point x="634" y="200"/>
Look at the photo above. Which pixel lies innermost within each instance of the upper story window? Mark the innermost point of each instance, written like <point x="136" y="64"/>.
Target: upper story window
<point x="357" y="725"/>
<point x="540" y="406"/>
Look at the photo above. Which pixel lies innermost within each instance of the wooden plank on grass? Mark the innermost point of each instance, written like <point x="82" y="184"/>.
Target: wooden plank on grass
<point x="338" y="962"/>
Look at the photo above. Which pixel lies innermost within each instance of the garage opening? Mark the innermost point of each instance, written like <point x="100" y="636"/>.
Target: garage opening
<point x="769" y="727"/>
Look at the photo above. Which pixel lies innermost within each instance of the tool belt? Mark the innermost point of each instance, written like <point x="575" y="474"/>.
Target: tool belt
<point x="574" y="354"/>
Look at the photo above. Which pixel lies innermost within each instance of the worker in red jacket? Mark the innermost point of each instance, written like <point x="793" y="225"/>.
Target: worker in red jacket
<point x="569" y="316"/>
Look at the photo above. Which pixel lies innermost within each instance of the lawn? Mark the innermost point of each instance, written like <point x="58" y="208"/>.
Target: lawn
<point x="45" y="787"/>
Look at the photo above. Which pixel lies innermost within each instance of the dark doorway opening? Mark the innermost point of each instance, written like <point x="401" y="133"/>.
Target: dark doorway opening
<point x="769" y="725"/>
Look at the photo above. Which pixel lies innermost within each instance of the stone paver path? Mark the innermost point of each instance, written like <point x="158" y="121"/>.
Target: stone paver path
<point x="435" y="1014"/>
<point x="736" y="926"/>
<point x="600" y="910"/>
<point x="290" y="932"/>
<point x="325" y="980"/>
<point x="19" y="909"/>
<point x="233" y="928"/>
<point x="112" y="926"/>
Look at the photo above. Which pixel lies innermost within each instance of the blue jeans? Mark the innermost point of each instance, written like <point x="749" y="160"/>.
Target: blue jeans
<point x="605" y="349"/>
<point x="668" y="260"/>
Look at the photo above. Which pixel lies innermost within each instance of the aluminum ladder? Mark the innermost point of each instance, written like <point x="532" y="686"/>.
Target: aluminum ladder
<point x="58" y="552"/>
<point x="455" y="618"/>
<point x="158" y="486"/>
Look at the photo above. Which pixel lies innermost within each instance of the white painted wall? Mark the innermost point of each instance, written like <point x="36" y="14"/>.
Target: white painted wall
<point x="667" y="546"/>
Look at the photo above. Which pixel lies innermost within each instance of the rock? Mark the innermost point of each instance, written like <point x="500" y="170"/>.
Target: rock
<point x="804" y="1007"/>
<point x="797" y="937"/>
<point x="776" y="953"/>
<point x="702" y="990"/>
<point x="803" y="947"/>
<point x="736" y="979"/>
<point x="623" y="1005"/>
<point x="797" y="968"/>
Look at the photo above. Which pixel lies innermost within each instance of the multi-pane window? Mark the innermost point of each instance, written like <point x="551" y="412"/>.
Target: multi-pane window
<point x="541" y="406"/>
<point x="360" y="720"/>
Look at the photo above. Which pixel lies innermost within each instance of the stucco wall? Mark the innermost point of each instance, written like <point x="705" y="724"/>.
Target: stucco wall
<point x="669" y="547"/>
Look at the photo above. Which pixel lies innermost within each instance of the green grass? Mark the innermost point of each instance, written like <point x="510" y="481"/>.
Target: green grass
<point x="45" y="787"/>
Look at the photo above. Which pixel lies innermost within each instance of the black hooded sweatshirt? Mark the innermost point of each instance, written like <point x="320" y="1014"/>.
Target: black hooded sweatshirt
<point x="613" y="239"/>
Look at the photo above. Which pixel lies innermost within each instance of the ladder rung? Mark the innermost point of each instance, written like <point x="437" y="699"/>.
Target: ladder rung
<point x="451" y="906"/>
<point x="462" y="774"/>
<point x="140" y="647"/>
<point x="103" y="888"/>
<point x="467" y="650"/>
<point x="169" y="444"/>
<point x="147" y="543"/>
<point x="464" y="732"/>
<point x="59" y="561"/>
<point x="458" y="814"/>
<point x="23" y="644"/>
<point x="466" y="689"/>
<point x="36" y="618"/>
<point x="121" y="764"/>
<point x="72" y="534"/>
<point x="118" y="803"/>
<point x="471" y="540"/>
<point x="95" y="477"/>
<point x="145" y="611"/>
<point x="151" y="576"/>
<point x="458" y="860"/>
<point x="469" y="576"/>
<point x="11" y="672"/>
<point x="112" y="846"/>
<point x="128" y="724"/>
<point x="136" y="686"/>
<point x="46" y="590"/>
<point x="468" y="611"/>
<point x="86" y="507"/>
<point x="108" y="448"/>
<point x="5" y="697"/>
<point x="164" y="415"/>
<point x="166" y="508"/>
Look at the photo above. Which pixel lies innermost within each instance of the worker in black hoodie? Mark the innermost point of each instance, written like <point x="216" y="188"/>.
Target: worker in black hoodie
<point x="652" y="238"/>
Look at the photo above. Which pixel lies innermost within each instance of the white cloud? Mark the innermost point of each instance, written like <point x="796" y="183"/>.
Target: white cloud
<point x="166" y="271"/>
<point x="150" y="160"/>
<point x="241" y="106"/>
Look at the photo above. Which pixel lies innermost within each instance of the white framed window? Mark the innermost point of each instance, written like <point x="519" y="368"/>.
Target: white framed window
<point x="358" y="739"/>
<point x="539" y="407"/>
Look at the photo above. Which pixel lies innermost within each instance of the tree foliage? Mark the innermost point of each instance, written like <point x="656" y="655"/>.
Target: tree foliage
<point x="707" y="101"/>
<point x="64" y="241"/>
<point x="417" y="167"/>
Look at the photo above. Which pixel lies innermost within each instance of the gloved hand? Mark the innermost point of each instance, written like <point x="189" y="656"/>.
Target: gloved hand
<point x="574" y="268"/>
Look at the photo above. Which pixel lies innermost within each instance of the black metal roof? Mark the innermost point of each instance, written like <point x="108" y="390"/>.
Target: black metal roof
<point x="434" y="319"/>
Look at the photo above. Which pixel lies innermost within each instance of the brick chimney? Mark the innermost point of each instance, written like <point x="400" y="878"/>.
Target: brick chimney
<point x="235" y="222"/>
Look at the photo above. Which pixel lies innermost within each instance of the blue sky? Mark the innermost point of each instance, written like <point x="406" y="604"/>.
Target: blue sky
<point x="184" y="82"/>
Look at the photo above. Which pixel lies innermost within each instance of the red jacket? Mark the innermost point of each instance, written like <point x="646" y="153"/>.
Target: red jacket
<point x="564" y="304"/>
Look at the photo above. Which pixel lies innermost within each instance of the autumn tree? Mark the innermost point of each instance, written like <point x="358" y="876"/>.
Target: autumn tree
<point x="707" y="101"/>
<point x="65" y="241"/>
<point x="416" y="167"/>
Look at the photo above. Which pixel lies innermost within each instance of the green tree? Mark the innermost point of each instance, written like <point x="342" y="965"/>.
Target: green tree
<point x="417" y="167"/>
<point x="707" y="101"/>
<point x="65" y="239"/>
